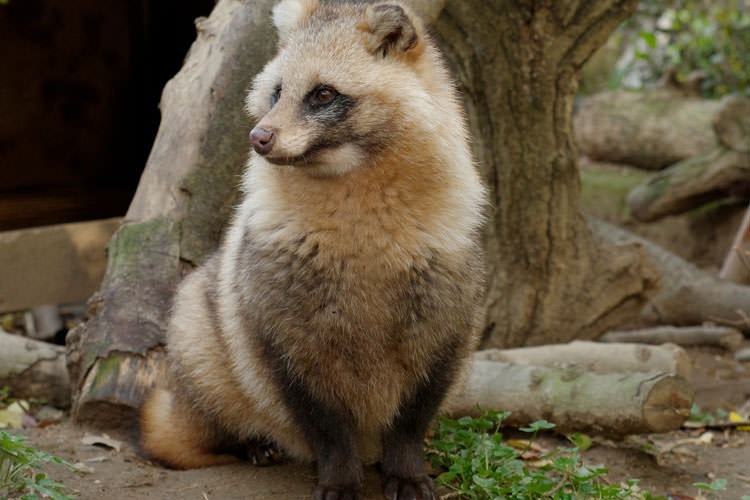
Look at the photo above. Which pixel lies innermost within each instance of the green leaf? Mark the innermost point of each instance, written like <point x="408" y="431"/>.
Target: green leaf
<point x="581" y="441"/>
<point x="485" y="482"/>
<point x="538" y="425"/>
<point x="717" y="485"/>
<point x="649" y="38"/>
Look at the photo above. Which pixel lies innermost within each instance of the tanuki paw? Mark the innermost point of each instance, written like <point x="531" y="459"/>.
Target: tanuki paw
<point x="331" y="493"/>
<point x="411" y="488"/>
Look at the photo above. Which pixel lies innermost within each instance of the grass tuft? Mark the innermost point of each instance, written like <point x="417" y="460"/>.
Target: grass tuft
<point x="20" y="476"/>
<point x="478" y="465"/>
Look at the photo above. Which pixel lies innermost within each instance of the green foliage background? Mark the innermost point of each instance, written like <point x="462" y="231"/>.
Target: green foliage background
<point x="688" y="35"/>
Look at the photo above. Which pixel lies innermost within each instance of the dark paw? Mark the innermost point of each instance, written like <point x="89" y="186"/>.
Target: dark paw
<point x="330" y="493"/>
<point x="417" y="488"/>
<point x="260" y="453"/>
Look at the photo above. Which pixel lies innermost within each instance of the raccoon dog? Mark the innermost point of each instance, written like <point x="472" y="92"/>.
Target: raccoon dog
<point x="345" y="299"/>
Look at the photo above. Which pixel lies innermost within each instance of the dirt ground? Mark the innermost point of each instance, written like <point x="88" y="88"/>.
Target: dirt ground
<point x="665" y="463"/>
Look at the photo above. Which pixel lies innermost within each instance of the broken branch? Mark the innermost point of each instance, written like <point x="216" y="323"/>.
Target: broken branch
<point x="722" y="336"/>
<point x="34" y="369"/>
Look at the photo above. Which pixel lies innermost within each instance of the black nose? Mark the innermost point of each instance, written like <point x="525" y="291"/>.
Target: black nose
<point x="262" y="140"/>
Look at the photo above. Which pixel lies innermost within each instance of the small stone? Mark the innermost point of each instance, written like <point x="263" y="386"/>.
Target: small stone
<point x="45" y="322"/>
<point x="101" y="440"/>
<point x="48" y="415"/>
<point x="742" y="354"/>
<point x="83" y="468"/>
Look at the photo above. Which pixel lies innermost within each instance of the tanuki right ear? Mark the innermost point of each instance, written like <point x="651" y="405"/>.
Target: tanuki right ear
<point x="288" y="14"/>
<point x="393" y="30"/>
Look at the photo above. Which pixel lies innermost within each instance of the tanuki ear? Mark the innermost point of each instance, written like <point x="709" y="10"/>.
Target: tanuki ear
<point x="288" y="14"/>
<point x="392" y="30"/>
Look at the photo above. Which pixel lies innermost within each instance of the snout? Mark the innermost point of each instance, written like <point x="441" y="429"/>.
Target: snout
<point x="262" y="140"/>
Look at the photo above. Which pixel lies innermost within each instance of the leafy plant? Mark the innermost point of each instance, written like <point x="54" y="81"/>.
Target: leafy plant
<point x="19" y="471"/>
<point x="717" y="485"/>
<point x="479" y="466"/>
<point x="691" y="35"/>
<point x="697" y="414"/>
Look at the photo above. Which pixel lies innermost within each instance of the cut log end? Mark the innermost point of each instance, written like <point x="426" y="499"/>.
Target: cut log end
<point x="115" y="387"/>
<point x="732" y="123"/>
<point x="667" y="404"/>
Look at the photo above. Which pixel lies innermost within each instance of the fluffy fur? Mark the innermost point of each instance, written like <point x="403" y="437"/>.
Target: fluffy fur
<point x="345" y="299"/>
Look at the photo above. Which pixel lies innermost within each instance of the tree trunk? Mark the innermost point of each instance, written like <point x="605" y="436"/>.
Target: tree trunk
<point x="517" y="64"/>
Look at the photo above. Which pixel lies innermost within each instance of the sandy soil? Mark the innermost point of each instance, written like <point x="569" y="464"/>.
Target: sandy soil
<point x="665" y="463"/>
<point x="124" y="475"/>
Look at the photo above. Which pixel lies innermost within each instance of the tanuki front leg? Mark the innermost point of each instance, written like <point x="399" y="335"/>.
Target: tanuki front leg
<point x="404" y="475"/>
<point x="331" y="435"/>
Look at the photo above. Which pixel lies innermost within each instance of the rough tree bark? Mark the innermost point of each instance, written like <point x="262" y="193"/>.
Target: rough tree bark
<point x="517" y="64"/>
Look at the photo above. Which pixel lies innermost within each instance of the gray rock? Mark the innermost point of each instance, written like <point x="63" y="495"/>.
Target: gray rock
<point x="742" y="354"/>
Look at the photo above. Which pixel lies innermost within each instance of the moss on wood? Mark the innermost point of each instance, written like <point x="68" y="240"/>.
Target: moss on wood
<point x="605" y="187"/>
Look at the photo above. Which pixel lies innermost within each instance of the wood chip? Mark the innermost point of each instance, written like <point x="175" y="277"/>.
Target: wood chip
<point x="102" y="440"/>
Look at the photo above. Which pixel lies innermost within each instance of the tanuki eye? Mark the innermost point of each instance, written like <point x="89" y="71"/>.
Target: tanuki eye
<point x="324" y="95"/>
<point x="275" y="96"/>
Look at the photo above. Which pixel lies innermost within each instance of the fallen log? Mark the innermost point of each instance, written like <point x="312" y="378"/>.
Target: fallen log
<point x="721" y="336"/>
<point x="708" y="176"/>
<point x="34" y="369"/>
<point x="597" y="357"/>
<point x="714" y="173"/>
<point x="660" y="127"/>
<point x="646" y="129"/>
<point x="687" y="296"/>
<point x="613" y="404"/>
